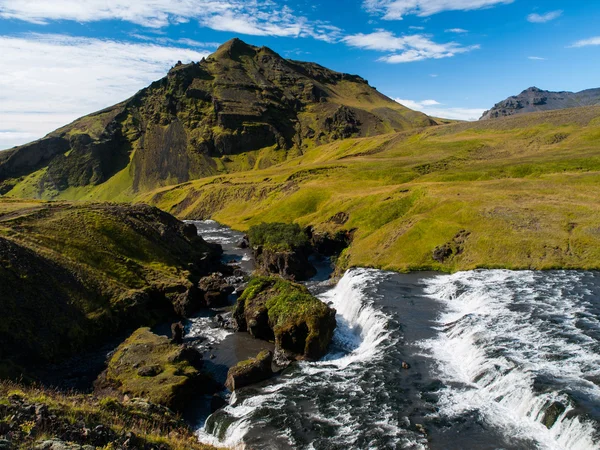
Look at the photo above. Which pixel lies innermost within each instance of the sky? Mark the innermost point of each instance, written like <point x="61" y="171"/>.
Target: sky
<point x="62" y="59"/>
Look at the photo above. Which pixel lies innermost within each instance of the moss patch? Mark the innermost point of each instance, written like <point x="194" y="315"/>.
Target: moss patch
<point x="151" y="367"/>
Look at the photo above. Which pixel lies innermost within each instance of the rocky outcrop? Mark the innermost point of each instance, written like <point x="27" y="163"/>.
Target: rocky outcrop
<point x="251" y="371"/>
<point x="534" y="100"/>
<point x="275" y="309"/>
<point x="151" y="366"/>
<point x="290" y="264"/>
<point x="282" y="249"/>
<point x="215" y="290"/>
<point x="330" y="244"/>
<point x="451" y="249"/>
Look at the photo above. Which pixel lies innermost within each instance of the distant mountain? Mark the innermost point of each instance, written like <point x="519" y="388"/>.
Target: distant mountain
<point x="242" y="107"/>
<point x="534" y="99"/>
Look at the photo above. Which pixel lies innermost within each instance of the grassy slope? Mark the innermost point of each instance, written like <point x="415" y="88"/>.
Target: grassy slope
<point x="74" y="274"/>
<point x="526" y="187"/>
<point x="153" y="427"/>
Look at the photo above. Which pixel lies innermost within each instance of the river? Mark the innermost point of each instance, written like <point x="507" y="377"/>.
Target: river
<point x="496" y="359"/>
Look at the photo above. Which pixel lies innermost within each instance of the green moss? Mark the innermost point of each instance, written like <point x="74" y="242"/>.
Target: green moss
<point x="149" y="366"/>
<point x="291" y="306"/>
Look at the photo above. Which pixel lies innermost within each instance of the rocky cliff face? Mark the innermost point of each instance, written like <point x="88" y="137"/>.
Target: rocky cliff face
<point x="242" y="107"/>
<point x="534" y="99"/>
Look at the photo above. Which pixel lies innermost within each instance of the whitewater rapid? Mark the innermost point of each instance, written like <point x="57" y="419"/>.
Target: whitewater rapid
<point x="512" y="344"/>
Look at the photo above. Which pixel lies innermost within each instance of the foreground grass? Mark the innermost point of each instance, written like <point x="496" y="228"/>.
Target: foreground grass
<point x="526" y="188"/>
<point x="60" y="416"/>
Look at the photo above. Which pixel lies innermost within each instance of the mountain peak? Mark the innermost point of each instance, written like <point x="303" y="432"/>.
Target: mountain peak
<point x="234" y="48"/>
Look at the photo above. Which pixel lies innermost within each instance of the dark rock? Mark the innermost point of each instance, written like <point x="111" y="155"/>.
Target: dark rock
<point x="177" y="331"/>
<point x="340" y="218"/>
<point x="292" y="265"/>
<point x="453" y="248"/>
<point x="150" y="371"/>
<point x="244" y="243"/>
<point x="216" y="290"/>
<point x="552" y="414"/>
<point x="250" y="372"/>
<point x="188" y="303"/>
<point x="217" y="402"/>
<point x="331" y="244"/>
<point x="190" y="231"/>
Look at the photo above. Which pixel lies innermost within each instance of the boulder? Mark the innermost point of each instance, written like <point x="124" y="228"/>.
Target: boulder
<point x="187" y="303"/>
<point x="215" y="290"/>
<point x="177" y="331"/>
<point x="251" y="371"/>
<point x="275" y="309"/>
<point x="152" y="367"/>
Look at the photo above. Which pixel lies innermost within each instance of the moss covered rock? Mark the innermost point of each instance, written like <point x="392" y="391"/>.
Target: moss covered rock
<point x="282" y="249"/>
<point x="152" y="367"/>
<point x="275" y="309"/>
<point x="251" y="371"/>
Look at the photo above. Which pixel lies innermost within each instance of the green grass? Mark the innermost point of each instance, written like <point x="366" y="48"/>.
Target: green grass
<point x="514" y="184"/>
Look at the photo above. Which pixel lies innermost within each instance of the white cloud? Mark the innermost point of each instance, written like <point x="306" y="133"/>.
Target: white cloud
<point x="411" y="48"/>
<point x="587" y="42"/>
<point x="416" y="28"/>
<point x="456" y="30"/>
<point x="543" y="18"/>
<point x="239" y="16"/>
<point x="47" y="81"/>
<point x="436" y="109"/>
<point x="536" y="58"/>
<point x="396" y="9"/>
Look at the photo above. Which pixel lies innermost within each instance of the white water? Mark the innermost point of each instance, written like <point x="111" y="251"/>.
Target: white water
<point x="360" y="338"/>
<point x="504" y="330"/>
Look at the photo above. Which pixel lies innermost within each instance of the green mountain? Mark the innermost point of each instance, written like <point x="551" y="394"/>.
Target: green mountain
<point x="241" y="108"/>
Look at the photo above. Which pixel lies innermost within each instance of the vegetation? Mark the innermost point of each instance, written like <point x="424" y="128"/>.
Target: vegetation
<point x="32" y="414"/>
<point x="278" y="236"/>
<point x="73" y="275"/>
<point x="153" y="368"/>
<point x="523" y="189"/>
<point x="301" y="324"/>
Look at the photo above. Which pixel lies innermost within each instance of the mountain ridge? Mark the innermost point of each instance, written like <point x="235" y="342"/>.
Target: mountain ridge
<point x="534" y="99"/>
<point x="239" y="108"/>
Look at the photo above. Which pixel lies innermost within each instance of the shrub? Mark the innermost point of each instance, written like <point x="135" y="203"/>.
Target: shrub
<point x="278" y="236"/>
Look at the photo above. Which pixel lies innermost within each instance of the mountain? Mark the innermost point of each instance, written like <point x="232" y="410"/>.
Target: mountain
<point x="242" y="107"/>
<point x="534" y="100"/>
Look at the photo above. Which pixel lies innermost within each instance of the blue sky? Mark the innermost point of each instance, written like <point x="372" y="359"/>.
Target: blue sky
<point x="62" y="59"/>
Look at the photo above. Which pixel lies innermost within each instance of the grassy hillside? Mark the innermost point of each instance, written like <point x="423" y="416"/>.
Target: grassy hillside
<point x="520" y="192"/>
<point x="73" y="275"/>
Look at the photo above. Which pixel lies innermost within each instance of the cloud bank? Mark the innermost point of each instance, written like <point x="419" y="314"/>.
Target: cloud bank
<point x="436" y="109"/>
<point x="411" y="48"/>
<point x="397" y="9"/>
